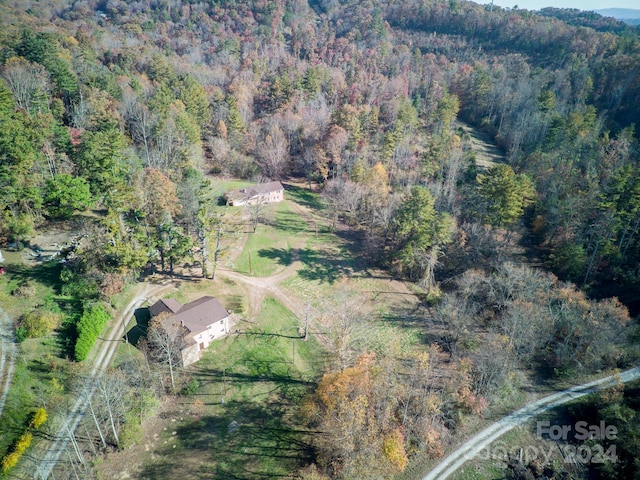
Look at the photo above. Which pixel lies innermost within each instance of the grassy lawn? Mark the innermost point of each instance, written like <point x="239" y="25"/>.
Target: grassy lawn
<point x="45" y="280"/>
<point x="303" y="196"/>
<point x="250" y="386"/>
<point x="220" y="186"/>
<point x="39" y="378"/>
<point x="327" y="261"/>
<point x="40" y="371"/>
<point x="270" y="248"/>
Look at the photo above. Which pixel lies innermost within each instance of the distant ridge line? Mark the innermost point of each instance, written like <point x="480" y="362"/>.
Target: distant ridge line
<point x="620" y="13"/>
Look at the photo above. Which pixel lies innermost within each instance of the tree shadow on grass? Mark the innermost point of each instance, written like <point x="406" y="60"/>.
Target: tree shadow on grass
<point x="321" y="265"/>
<point x="242" y="440"/>
<point x="139" y="330"/>
<point x="413" y="318"/>
<point x="281" y="255"/>
<point x="45" y="273"/>
<point x="259" y="374"/>
<point x="264" y="359"/>
<point x="69" y="305"/>
<point x="316" y="265"/>
<point x="408" y="317"/>
<point x="66" y="335"/>
<point x="304" y="196"/>
<point x="234" y="303"/>
<point x="290" y="222"/>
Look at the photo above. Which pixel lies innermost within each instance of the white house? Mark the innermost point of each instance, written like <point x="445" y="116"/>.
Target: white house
<point x="204" y="320"/>
<point x="261" y="193"/>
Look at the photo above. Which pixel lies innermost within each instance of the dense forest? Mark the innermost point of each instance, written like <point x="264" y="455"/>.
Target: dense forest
<point x="129" y="108"/>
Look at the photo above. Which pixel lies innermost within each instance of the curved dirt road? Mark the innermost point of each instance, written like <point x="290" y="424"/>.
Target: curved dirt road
<point x="484" y="438"/>
<point x="258" y="288"/>
<point x="57" y="446"/>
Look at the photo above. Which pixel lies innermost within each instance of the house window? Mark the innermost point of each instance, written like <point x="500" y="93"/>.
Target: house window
<point x="222" y="322"/>
<point x="209" y="327"/>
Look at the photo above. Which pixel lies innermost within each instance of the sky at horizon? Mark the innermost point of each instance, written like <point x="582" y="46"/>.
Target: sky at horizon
<point x="580" y="4"/>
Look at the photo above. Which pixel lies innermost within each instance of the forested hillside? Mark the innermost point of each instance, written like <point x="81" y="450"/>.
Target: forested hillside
<point x="130" y="108"/>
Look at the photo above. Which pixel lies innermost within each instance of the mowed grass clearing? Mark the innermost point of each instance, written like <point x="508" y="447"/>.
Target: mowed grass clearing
<point x="220" y="186"/>
<point x="270" y="248"/>
<point x="243" y="422"/>
<point x="43" y="279"/>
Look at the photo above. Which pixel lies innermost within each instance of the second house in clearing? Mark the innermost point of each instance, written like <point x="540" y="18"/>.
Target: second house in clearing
<point x="204" y="320"/>
<point x="270" y="192"/>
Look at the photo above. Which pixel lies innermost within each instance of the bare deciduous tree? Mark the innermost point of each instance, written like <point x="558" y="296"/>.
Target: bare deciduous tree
<point x="256" y="209"/>
<point x="166" y="342"/>
<point x="112" y="389"/>
<point x="347" y="329"/>
<point x="343" y="197"/>
<point x="273" y="153"/>
<point x="29" y="82"/>
<point x="142" y="123"/>
<point x="455" y="313"/>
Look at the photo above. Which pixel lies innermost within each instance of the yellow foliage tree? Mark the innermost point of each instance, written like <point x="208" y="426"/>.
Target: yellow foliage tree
<point x="10" y="461"/>
<point x="393" y="448"/>
<point x="40" y="322"/>
<point x="23" y="443"/>
<point x="38" y="419"/>
<point x="377" y="180"/>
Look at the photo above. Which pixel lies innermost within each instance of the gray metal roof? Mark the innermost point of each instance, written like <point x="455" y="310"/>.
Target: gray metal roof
<point x="201" y="313"/>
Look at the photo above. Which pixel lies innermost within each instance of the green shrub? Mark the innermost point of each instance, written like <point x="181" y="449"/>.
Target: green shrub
<point x="84" y="344"/>
<point x="40" y="322"/>
<point x="78" y="284"/>
<point x="130" y="435"/>
<point x="65" y="194"/>
<point x="191" y="387"/>
<point x="21" y="334"/>
<point x="89" y="326"/>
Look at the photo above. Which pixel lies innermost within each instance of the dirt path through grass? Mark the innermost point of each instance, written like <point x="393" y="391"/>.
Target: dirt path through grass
<point x="7" y="356"/>
<point x="259" y="287"/>
<point x="487" y="153"/>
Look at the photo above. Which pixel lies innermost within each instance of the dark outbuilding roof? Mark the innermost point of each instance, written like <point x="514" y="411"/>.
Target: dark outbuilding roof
<point x="196" y="316"/>
<point x="168" y="305"/>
